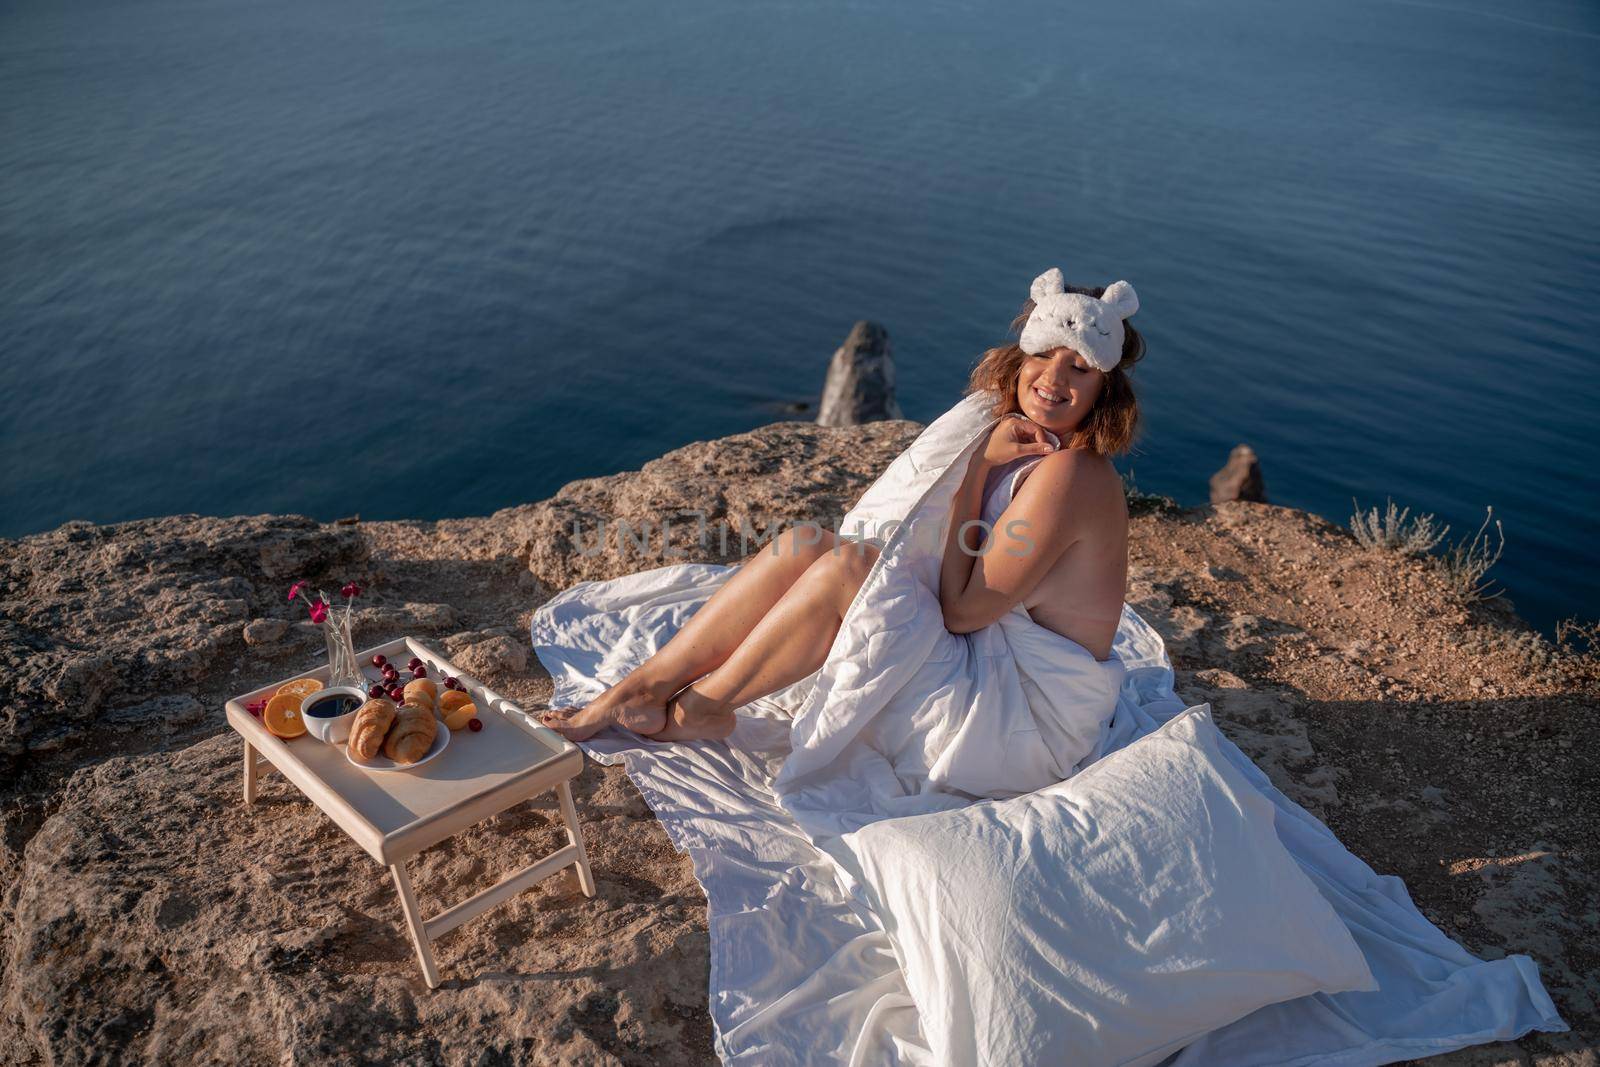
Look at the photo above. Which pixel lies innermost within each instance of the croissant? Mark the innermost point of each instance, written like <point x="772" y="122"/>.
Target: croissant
<point x="412" y="734"/>
<point x="421" y="691"/>
<point x="371" y="723"/>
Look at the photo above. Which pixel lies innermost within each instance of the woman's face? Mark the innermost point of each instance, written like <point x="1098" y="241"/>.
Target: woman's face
<point x="1057" y="389"/>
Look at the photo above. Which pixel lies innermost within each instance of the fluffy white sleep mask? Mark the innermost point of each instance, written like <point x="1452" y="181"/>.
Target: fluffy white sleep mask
<point x="1082" y="323"/>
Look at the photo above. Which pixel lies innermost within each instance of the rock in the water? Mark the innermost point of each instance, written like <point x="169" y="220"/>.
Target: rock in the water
<point x="860" y="385"/>
<point x="1240" y="479"/>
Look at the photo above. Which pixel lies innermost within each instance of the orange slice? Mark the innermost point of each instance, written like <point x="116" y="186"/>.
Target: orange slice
<point x="283" y="715"/>
<point x="300" y="687"/>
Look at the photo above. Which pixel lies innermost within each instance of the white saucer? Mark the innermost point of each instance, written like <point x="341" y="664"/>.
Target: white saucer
<point x="380" y="762"/>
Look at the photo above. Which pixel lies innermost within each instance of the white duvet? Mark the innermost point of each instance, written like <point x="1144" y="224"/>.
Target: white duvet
<point x="905" y="718"/>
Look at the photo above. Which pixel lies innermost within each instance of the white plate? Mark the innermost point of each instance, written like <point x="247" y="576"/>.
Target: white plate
<point x="380" y="762"/>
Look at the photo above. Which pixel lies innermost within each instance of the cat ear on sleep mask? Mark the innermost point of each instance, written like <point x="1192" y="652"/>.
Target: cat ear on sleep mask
<point x="1089" y="326"/>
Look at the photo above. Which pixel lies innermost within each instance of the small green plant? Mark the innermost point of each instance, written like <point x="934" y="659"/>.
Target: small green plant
<point x="1466" y="562"/>
<point x="1130" y="487"/>
<point x="1577" y="637"/>
<point x="1394" y="531"/>
<point x="1140" y="501"/>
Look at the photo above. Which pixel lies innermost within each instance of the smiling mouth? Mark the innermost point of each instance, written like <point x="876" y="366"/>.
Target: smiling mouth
<point x="1045" y="396"/>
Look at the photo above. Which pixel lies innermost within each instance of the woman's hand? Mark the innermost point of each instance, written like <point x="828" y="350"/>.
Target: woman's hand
<point x="1015" y="436"/>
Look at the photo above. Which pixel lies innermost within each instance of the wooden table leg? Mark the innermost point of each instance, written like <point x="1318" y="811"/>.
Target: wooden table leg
<point x="249" y="774"/>
<point x="419" y="929"/>
<point x="569" y="813"/>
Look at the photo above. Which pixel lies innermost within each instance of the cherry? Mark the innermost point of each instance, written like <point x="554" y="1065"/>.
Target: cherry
<point x="419" y="672"/>
<point x="379" y="659"/>
<point x="415" y="663"/>
<point x="375" y="691"/>
<point x="395" y="692"/>
<point x="451" y="683"/>
<point x="474" y="724"/>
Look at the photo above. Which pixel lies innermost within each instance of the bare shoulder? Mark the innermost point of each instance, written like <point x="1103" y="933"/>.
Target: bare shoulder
<point x="1084" y="482"/>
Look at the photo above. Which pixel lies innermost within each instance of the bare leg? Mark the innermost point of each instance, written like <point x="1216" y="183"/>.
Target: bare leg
<point x="787" y="644"/>
<point x="638" y="702"/>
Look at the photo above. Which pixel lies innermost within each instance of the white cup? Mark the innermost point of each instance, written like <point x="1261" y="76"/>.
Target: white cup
<point x="334" y="729"/>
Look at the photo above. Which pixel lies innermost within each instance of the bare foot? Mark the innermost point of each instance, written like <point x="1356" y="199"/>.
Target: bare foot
<point x="632" y="705"/>
<point x="691" y="716"/>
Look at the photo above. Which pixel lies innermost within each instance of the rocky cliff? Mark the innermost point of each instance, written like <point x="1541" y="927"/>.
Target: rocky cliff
<point x="145" y="915"/>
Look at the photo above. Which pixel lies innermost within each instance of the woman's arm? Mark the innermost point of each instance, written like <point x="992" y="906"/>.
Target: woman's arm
<point x="961" y="586"/>
<point x="1050" y="513"/>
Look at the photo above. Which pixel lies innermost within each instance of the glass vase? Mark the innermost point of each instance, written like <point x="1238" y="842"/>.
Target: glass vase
<point x="342" y="666"/>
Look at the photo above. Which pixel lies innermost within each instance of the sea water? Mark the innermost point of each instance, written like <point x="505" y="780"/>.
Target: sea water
<point x="431" y="259"/>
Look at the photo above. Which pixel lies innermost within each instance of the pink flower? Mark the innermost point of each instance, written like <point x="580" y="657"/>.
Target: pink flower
<point x="351" y="589"/>
<point x="319" y="611"/>
<point x="295" y="588"/>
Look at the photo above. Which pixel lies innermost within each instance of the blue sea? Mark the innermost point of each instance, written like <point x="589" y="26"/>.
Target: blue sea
<point x="424" y="259"/>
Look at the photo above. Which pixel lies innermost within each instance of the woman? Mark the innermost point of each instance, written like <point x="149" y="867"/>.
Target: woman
<point x="773" y="622"/>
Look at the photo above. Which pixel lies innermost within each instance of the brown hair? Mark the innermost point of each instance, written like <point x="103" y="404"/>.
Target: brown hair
<point x="1113" y="422"/>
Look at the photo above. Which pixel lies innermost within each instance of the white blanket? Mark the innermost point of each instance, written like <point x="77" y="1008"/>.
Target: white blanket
<point x="903" y="718"/>
<point x="906" y="717"/>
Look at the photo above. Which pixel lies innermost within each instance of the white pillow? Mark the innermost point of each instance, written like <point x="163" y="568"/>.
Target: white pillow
<point x="1108" y="919"/>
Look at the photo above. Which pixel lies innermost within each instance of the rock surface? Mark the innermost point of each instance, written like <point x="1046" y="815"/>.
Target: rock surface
<point x="146" y="916"/>
<point x="159" y="921"/>
<point x="94" y="618"/>
<point x="712" y="501"/>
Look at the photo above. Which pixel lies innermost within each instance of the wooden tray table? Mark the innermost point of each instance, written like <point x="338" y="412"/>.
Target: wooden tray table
<point x="393" y="815"/>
